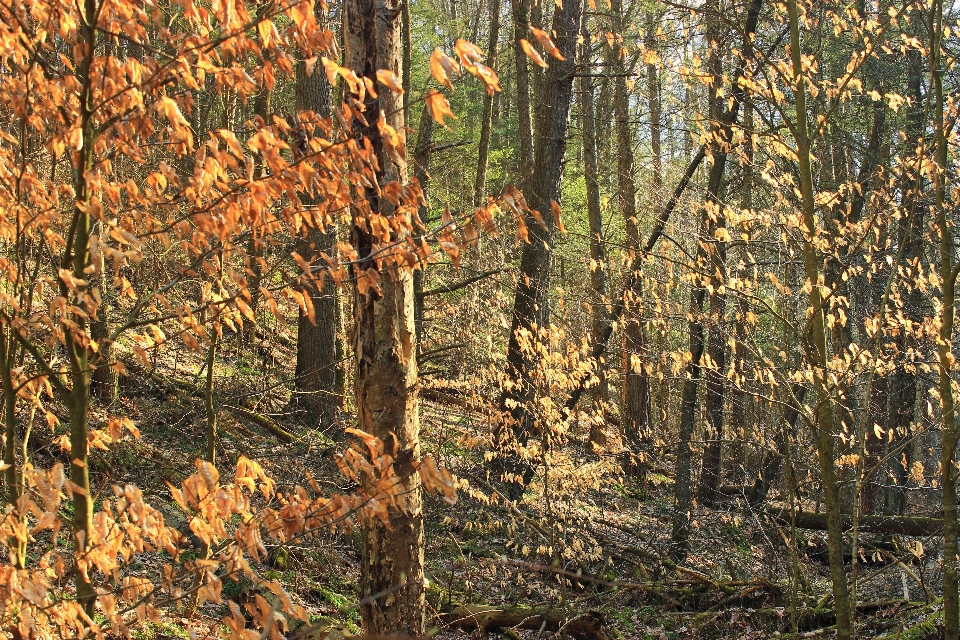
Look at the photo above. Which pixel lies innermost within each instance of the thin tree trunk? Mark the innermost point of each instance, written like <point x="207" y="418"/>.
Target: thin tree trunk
<point x="77" y="257"/>
<point x="817" y="349"/>
<point x="598" y="259"/>
<point x="531" y="310"/>
<point x="707" y="258"/>
<point x="104" y="378"/>
<point x="738" y="396"/>
<point x="636" y="384"/>
<point x="209" y="406"/>
<point x="483" y="151"/>
<point x="384" y="345"/>
<point x="521" y="25"/>
<point x="946" y="359"/>
<point x="654" y="106"/>
<point x="721" y="139"/>
<point x="255" y="247"/>
<point x="421" y="171"/>
<point x="683" y="497"/>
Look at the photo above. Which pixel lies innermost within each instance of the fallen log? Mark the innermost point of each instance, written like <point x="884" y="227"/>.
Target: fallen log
<point x="264" y="423"/>
<point x="890" y="525"/>
<point x="483" y="618"/>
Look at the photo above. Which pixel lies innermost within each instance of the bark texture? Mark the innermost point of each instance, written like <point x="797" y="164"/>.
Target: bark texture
<point x="386" y="384"/>
<point x="319" y="373"/>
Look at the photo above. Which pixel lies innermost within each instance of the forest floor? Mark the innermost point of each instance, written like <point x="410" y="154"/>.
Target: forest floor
<point x="588" y="545"/>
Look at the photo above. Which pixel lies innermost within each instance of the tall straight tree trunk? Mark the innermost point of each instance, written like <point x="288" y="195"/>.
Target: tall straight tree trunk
<point x="655" y="109"/>
<point x="715" y="383"/>
<point x="946" y="359"/>
<point x="711" y="253"/>
<point x="386" y="384"/>
<point x="77" y="258"/>
<point x="683" y="496"/>
<point x="256" y="247"/>
<point x="598" y="260"/>
<point x="421" y="171"/>
<point x="521" y="25"/>
<point x="903" y="383"/>
<point x="636" y="384"/>
<point x="531" y="310"/>
<point x="319" y="373"/>
<point x="817" y="353"/>
<point x="738" y="395"/>
<point x="486" y="126"/>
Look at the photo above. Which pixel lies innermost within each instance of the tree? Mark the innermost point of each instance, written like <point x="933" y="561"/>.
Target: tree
<point x="531" y="311"/>
<point x="319" y="373"/>
<point x="385" y="336"/>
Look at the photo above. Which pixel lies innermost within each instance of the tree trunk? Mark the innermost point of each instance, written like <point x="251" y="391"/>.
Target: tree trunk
<point x="817" y="349"/>
<point x="636" y="384"/>
<point x="653" y="104"/>
<point x="483" y="151"/>
<point x="208" y="401"/>
<point x="319" y="384"/>
<point x="12" y="474"/>
<point x="721" y="139"/>
<point x="103" y="380"/>
<point x="946" y="359"/>
<point x="256" y="247"/>
<point x="77" y="258"/>
<point x="598" y="260"/>
<point x="683" y="497"/>
<point x="521" y="25"/>
<point x="531" y="310"/>
<point x="903" y="381"/>
<point x="421" y="171"/>
<point x="386" y="383"/>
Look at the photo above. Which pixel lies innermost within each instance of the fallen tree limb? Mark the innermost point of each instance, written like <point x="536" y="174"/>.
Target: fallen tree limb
<point x="583" y="626"/>
<point x="264" y="423"/>
<point x="892" y="525"/>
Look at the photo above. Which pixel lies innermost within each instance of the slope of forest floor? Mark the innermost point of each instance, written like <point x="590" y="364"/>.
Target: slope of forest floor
<point x="591" y="546"/>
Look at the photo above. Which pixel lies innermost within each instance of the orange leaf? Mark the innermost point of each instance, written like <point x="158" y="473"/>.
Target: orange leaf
<point x="544" y="39"/>
<point x="390" y="80"/>
<point x="539" y="218"/>
<point x="439" y="107"/>
<point x="555" y="209"/>
<point x="442" y="67"/>
<point x="489" y="78"/>
<point x="331" y="67"/>
<point x="532" y="53"/>
<point x="470" y="54"/>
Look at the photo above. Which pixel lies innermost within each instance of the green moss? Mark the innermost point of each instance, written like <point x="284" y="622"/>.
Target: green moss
<point x="152" y="631"/>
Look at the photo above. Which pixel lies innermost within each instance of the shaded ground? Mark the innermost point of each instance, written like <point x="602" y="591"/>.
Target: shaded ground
<point x="586" y="542"/>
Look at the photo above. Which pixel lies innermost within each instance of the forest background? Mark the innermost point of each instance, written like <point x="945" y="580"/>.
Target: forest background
<point x="590" y="318"/>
